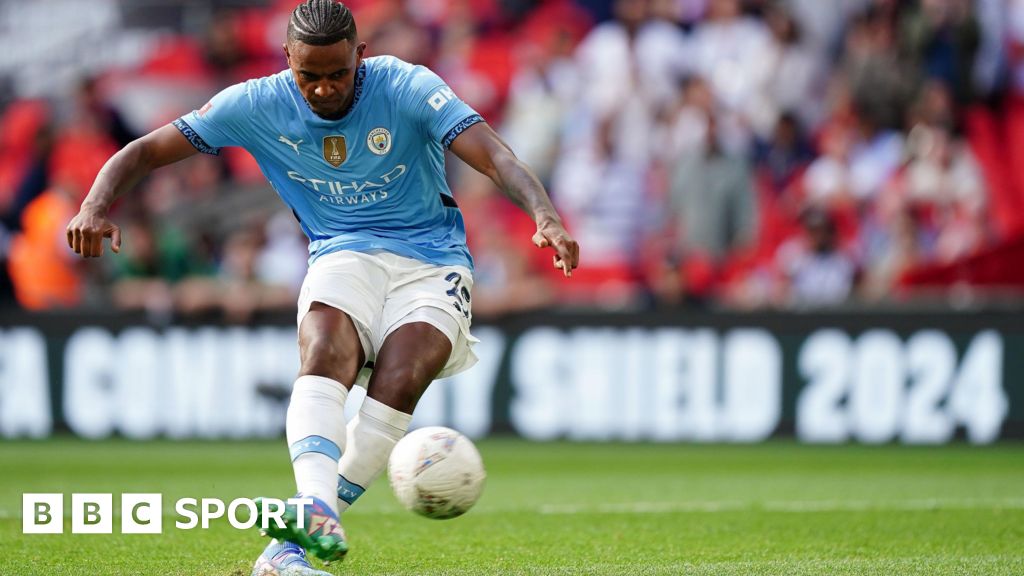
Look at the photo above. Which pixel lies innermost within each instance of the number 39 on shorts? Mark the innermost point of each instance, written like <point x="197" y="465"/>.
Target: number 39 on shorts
<point x="459" y="293"/>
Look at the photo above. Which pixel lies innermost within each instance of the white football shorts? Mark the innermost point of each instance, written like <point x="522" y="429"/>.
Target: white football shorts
<point x="381" y="291"/>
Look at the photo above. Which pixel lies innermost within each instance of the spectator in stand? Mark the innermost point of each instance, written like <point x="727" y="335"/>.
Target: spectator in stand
<point x="814" y="270"/>
<point x="506" y="278"/>
<point x="826" y="183"/>
<point x="899" y="244"/>
<point x="941" y="168"/>
<point x="942" y="178"/>
<point x="80" y="148"/>
<point x="946" y="170"/>
<point x="629" y="70"/>
<point x="876" y="154"/>
<point x="400" y="37"/>
<point x="141" y="273"/>
<point x="736" y="55"/>
<point x="990" y="63"/>
<point x="243" y="292"/>
<point x="41" y="270"/>
<point x="941" y="38"/>
<point x="797" y="84"/>
<point x="934" y="108"/>
<point x="712" y="193"/>
<point x="628" y="73"/>
<point x="459" y="47"/>
<point x="26" y="143"/>
<point x="685" y="130"/>
<point x="238" y="291"/>
<point x="682" y="12"/>
<point x="781" y="167"/>
<point x="541" y="94"/>
<point x="151" y="266"/>
<point x="26" y="148"/>
<point x="783" y="158"/>
<point x="824" y="22"/>
<point x="106" y="118"/>
<point x="44" y="272"/>
<point x="282" y="258"/>
<point x="222" y="47"/>
<point x="882" y="83"/>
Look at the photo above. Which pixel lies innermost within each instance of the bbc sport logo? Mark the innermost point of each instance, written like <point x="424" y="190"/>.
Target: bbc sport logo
<point x="143" y="513"/>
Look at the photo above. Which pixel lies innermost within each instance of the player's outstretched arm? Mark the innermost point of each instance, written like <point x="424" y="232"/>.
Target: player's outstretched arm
<point x="480" y="147"/>
<point x="91" y="225"/>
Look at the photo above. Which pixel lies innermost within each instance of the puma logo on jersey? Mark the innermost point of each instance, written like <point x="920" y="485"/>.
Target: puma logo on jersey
<point x="294" y="145"/>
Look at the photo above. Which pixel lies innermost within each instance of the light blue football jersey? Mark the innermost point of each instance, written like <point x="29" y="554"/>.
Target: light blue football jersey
<point x="373" y="180"/>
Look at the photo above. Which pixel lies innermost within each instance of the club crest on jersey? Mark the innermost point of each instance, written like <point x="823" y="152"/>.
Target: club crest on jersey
<point x="379" y="141"/>
<point x="334" y="150"/>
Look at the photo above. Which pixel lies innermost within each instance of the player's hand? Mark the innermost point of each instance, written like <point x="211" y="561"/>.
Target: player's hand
<point x="567" y="251"/>
<point x="87" y="230"/>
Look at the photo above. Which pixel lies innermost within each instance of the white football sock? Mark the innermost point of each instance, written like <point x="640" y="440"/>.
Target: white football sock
<point x="371" y="436"/>
<point x="316" y="435"/>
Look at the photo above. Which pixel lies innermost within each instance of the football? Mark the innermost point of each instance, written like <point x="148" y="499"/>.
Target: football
<point x="436" y="472"/>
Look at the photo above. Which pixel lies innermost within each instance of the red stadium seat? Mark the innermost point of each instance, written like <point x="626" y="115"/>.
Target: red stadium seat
<point x="986" y="140"/>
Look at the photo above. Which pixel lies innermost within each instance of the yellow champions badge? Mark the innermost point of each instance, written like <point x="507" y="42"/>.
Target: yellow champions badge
<point x="334" y="150"/>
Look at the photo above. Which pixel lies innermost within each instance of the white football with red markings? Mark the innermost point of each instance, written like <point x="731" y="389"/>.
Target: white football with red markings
<point x="436" y="472"/>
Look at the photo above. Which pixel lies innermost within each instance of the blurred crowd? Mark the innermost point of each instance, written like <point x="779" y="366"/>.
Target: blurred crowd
<point x="728" y="153"/>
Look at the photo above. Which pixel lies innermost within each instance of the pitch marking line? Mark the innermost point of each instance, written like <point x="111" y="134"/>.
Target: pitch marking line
<point x="788" y="506"/>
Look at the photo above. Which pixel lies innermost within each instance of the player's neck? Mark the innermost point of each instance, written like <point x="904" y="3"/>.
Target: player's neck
<point x="337" y="115"/>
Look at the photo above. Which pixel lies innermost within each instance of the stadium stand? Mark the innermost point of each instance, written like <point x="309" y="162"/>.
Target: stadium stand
<point x="727" y="153"/>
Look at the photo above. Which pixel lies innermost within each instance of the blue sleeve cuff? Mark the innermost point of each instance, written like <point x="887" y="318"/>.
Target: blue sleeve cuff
<point x="459" y="129"/>
<point x="195" y="138"/>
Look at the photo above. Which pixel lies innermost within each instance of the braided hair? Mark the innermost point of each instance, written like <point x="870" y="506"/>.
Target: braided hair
<point x="321" y="23"/>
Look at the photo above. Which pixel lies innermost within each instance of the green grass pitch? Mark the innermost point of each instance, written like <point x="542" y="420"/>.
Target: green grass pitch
<point x="565" y="509"/>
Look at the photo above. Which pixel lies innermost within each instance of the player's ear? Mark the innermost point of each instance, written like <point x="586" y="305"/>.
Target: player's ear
<point x="360" y="49"/>
<point x="287" y="55"/>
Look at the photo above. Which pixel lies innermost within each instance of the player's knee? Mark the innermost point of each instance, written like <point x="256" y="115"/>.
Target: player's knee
<point x="324" y="356"/>
<point x="400" y="387"/>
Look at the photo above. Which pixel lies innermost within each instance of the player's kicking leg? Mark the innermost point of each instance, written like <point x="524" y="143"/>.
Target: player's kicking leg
<point x="409" y="360"/>
<point x="331" y="354"/>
